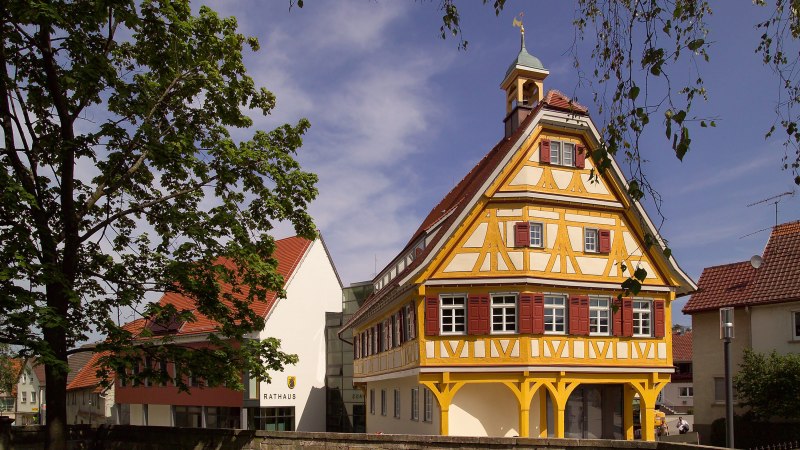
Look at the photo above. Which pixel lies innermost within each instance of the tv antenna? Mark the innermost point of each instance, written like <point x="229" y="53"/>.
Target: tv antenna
<point x="775" y="199"/>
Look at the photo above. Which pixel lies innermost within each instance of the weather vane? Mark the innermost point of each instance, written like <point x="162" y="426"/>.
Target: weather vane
<point x="518" y="22"/>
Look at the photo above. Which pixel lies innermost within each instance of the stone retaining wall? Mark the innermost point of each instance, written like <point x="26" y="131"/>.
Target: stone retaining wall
<point x="121" y="437"/>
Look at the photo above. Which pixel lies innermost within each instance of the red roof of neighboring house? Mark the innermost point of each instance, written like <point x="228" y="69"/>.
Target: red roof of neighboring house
<point x="739" y="284"/>
<point x="778" y="277"/>
<point x="726" y="285"/>
<point x="87" y="376"/>
<point x="447" y="210"/>
<point x="682" y="347"/>
<point x="288" y="252"/>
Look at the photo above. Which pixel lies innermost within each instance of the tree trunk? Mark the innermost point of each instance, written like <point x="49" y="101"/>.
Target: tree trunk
<point x="56" y="375"/>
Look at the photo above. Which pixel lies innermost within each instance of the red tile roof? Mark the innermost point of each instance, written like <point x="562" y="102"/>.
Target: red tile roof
<point x="38" y="370"/>
<point x="726" y="285"/>
<point x="288" y="252"/>
<point x="682" y="347"/>
<point x="739" y="284"/>
<point x="455" y="201"/>
<point x="87" y="376"/>
<point x="778" y="277"/>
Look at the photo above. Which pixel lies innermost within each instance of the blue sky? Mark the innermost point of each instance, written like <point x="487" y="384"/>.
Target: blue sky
<point x="399" y="116"/>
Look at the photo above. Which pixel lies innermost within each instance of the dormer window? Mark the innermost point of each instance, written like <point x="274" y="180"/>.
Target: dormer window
<point x="562" y="153"/>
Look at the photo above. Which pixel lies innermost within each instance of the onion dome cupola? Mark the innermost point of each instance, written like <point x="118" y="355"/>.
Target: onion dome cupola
<point x="523" y="83"/>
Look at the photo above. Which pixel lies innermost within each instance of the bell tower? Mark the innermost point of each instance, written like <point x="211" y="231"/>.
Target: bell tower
<point x="523" y="83"/>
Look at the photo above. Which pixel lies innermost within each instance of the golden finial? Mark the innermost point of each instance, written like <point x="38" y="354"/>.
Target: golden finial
<point x="518" y="23"/>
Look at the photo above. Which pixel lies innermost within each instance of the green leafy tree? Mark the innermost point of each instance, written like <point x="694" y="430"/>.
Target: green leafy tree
<point x="119" y="176"/>
<point x="8" y="375"/>
<point x="769" y="384"/>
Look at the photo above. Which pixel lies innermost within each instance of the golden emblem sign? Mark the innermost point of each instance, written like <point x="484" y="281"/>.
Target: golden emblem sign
<point x="291" y="381"/>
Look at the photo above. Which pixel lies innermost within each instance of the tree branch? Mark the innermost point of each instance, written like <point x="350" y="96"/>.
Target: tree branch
<point x="101" y="188"/>
<point x="141" y="207"/>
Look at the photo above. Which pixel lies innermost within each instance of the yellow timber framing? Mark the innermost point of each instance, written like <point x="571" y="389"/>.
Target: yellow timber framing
<point x="559" y="385"/>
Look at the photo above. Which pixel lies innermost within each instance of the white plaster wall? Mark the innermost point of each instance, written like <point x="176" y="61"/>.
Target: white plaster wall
<point x="388" y="424"/>
<point x="707" y="362"/>
<point x="299" y="322"/>
<point x="489" y="409"/>
<point x="671" y="395"/>
<point x="774" y="325"/>
<point x="159" y="415"/>
<point x="136" y="414"/>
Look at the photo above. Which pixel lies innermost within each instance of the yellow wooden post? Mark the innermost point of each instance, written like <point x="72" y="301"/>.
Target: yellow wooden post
<point x="559" y="419"/>
<point x="524" y="408"/>
<point x="627" y="411"/>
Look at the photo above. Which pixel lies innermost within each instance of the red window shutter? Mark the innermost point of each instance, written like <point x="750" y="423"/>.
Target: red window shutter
<point x="431" y="316"/>
<point x="401" y="317"/>
<point x="544" y="151"/>
<point x="580" y="157"/>
<point x="574" y="315"/>
<point x="627" y="317"/>
<point x="658" y="309"/>
<point x="522" y="234"/>
<point x="413" y="318"/>
<point x="584" y="315"/>
<point x="617" y="319"/>
<point x="485" y="312"/>
<point x="538" y="314"/>
<point x="478" y="314"/>
<point x="525" y="313"/>
<point x="604" y="238"/>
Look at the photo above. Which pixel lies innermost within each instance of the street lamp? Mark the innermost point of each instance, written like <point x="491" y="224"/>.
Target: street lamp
<point x="726" y="334"/>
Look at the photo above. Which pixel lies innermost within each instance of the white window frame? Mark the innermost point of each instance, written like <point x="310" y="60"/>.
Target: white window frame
<point x="504" y="311"/>
<point x="558" y="153"/>
<point x="409" y="323"/>
<point x="640" y="321"/>
<point x="596" y="313"/>
<point x="532" y="227"/>
<point x="591" y="240"/>
<point x="415" y="404"/>
<point x="427" y="398"/>
<point x="796" y="325"/>
<point x="397" y="403"/>
<point x="33" y="396"/>
<point x="550" y="327"/>
<point x="452" y="309"/>
<point x="23" y="397"/>
<point x="686" y="392"/>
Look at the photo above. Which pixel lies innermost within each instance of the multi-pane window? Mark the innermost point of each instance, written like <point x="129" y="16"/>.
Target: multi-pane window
<point x="504" y="313"/>
<point x="414" y="403"/>
<point x="554" y="314"/>
<point x="537" y="234"/>
<point x="383" y="402"/>
<point x="24" y="398"/>
<point x="427" y="401"/>
<point x="562" y="153"/>
<point x="796" y="325"/>
<point x="686" y="391"/>
<point x="397" y="403"/>
<point x="271" y="419"/>
<point x="372" y="401"/>
<point x="454" y="314"/>
<point x="590" y="240"/>
<point x="409" y="322"/>
<point x="719" y="390"/>
<point x="599" y="316"/>
<point x="223" y="417"/>
<point x="642" y="318"/>
<point x="188" y="416"/>
<point x="33" y="397"/>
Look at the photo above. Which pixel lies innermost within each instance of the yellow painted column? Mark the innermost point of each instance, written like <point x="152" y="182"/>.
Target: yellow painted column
<point x="543" y="412"/>
<point x="444" y="419"/>
<point x="524" y="399"/>
<point x="559" y="420"/>
<point x="627" y="411"/>
<point x="648" y="408"/>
